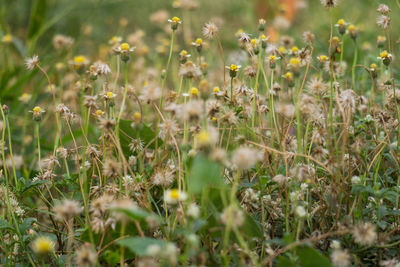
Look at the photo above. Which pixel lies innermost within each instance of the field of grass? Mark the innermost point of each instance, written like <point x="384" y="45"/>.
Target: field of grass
<point x="199" y="133"/>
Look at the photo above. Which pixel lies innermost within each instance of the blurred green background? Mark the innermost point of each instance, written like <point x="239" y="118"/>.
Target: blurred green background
<point x="99" y="20"/>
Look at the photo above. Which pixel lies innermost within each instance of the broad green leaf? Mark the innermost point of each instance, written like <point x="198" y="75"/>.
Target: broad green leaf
<point x="285" y="262"/>
<point x="310" y="257"/>
<point x="204" y="173"/>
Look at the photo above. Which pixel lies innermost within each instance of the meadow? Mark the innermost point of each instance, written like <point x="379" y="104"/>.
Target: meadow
<point x="199" y="133"/>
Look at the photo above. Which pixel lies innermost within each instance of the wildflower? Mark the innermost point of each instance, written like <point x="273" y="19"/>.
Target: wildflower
<point x="385" y="57"/>
<point x="67" y="209"/>
<point x="193" y="211"/>
<point x="294" y="64"/>
<point x="124" y="50"/>
<point x="383" y="9"/>
<point x="136" y="145"/>
<point x="194" y="91"/>
<point x="340" y="258"/>
<point x="317" y="86"/>
<point x="264" y="40"/>
<point x="308" y="37"/>
<point x="254" y="46"/>
<point x="183" y="56"/>
<point x="32" y="62"/>
<point x="86" y="256"/>
<point x="301" y="212"/>
<point x="334" y="46"/>
<point x="137" y="117"/>
<point x="272" y="61"/>
<point x="210" y="30"/>
<point x="198" y="44"/>
<point x="261" y="25"/>
<point x="381" y="41"/>
<point x="352" y="31"/>
<point x="79" y="62"/>
<point x="364" y="234"/>
<point x="245" y="158"/>
<point x="384" y="21"/>
<point x="232" y="215"/>
<point x="173" y="196"/>
<point x="355" y="180"/>
<point x="341" y="25"/>
<point x="111" y="168"/>
<point x="163" y="177"/>
<point x="150" y="94"/>
<point x="233" y="70"/>
<point x="115" y="40"/>
<point x="175" y="21"/>
<point x="7" y="39"/>
<point x="289" y="78"/>
<point x="189" y="70"/>
<point x="37" y="113"/>
<point x="63" y="42"/>
<point x="108" y="96"/>
<point x="329" y="3"/>
<point x="25" y="97"/>
<point x="43" y="245"/>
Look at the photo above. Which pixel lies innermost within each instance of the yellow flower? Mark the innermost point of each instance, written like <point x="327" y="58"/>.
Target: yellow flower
<point x="43" y="245"/>
<point x="137" y="116"/>
<point x="194" y="91"/>
<point x="183" y="53"/>
<point x="25" y="97"/>
<point x="253" y="41"/>
<point x="173" y="196"/>
<point x="295" y="49"/>
<point x="99" y="112"/>
<point x="203" y="138"/>
<point x="341" y="22"/>
<point x="125" y="47"/>
<point x="79" y="60"/>
<point x="7" y="38"/>
<point x="294" y="61"/>
<point x="37" y="110"/>
<point x="233" y="67"/>
<point x="351" y="27"/>
<point x="373" y="66"/>
<point x="216" y="89"/>
<point x="289" y="75"/>
<point x="384" y="54"/>
<point x="176" y="20"/>
<point x="110" y="95"/>
<point x="199" y="41"/>
<point x="322" y="58"/>
<point x="282" y="49"/>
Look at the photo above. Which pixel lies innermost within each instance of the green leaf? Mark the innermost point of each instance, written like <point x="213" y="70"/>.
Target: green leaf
<point x="204" y="173"/>
<point x="285" y="262"/>
<point x="252" y="228"/>
<point x="5" y="225"/>
<point x="139" y="245"/>
<point x="310" y="257"/>
<point x="26" y="224"/>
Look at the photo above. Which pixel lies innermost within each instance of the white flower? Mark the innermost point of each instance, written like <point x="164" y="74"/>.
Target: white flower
<point x="301" y="212"/>
<point x="355" y="180"/>
<point x="193" y="211"/>
<point x="173" y="196"/>
<point x="32" y="62"/>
